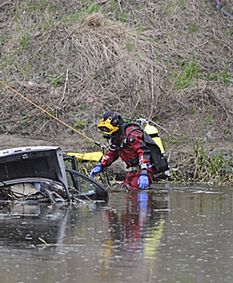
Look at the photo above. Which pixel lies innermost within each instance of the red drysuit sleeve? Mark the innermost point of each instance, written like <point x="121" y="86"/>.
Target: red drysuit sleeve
<point x="109" y="157"/>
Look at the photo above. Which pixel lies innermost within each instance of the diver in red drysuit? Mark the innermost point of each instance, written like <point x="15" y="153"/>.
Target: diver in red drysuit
<point x="126" y="141"/>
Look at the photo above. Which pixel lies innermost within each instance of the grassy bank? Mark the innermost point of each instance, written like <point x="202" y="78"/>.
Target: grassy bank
<point x="169" y="61"/>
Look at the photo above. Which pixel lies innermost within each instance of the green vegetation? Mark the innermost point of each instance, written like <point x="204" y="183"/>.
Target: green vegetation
<point x="24" y="41"/>
<point x="36" y="6"/>
<point x="131" y="46"/>
<point x="208" y="119"/>
<point x="193" y="109"/>
<point x="211" y="168"/>
<point x="93" y="9"/>
<point x="26" y="69"/>
<point x="56" y="80"/>
<point x="221" y="76"/>
<point x="2" y="40"/>
<point x="120" y="15"/>
<point x="171" y="6"/>
<point x="185" y="77"/>
<point x="229" y="32"/>
<point x="140" y="28"/>
<point x="7" y="60"/>
<point x="182" y="139"/>
<point x="40" y="6"/>
<point x="75" y="16"/>
<point x="113" y="7"/>
<point x="193" y="27"/>
<point x="79" y="14"/>
<point x="79" y="124"/>
<point x="47" y="25"/>
<point x="205" y="167"/>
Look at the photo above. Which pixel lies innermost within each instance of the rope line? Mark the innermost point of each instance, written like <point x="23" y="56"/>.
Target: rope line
<point x="49" y="114"/>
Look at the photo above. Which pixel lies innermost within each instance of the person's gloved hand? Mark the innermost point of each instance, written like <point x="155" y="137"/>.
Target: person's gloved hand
<point x="143" y="182"/>
<point x="95" y="170"/>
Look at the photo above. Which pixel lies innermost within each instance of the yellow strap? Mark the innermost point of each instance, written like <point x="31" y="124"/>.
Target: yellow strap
<point x="89" y="156"/>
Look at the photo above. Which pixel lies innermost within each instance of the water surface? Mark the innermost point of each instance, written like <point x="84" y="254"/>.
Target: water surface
<point x="170" y="234"/>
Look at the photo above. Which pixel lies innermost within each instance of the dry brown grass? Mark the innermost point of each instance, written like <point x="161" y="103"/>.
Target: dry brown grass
<point x="76" y="69"/>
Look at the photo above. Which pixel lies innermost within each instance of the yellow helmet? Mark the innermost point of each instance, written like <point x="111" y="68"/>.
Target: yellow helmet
<point x="110" y="123"/>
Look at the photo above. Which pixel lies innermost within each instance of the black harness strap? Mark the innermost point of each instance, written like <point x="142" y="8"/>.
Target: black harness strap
<point x="125" y="137"/>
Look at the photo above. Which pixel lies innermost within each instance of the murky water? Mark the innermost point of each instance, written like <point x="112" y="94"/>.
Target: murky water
<point x="169" y="235"/>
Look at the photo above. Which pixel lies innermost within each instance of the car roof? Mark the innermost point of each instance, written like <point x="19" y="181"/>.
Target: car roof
<point x="15" y="150"/>
<point x="32" y="162"/>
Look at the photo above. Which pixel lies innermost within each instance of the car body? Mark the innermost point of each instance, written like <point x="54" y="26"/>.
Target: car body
<point x="40" y="172"/>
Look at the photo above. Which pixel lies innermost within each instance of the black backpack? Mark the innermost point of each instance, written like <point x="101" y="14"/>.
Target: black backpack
<point x="158" y="159"/>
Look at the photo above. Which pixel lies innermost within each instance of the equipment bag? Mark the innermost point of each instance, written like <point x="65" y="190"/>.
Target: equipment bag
<point x="154" y="143"/>
<point x="159" y="159"/>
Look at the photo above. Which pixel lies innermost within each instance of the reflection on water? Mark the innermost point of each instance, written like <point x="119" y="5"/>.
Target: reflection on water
<point x="134" y="233"/>
<point x="30" y="225"/>
<point x="165" y="235"/>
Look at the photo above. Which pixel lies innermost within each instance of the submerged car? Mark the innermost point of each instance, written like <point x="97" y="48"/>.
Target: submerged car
<point x="43" y="173"/>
